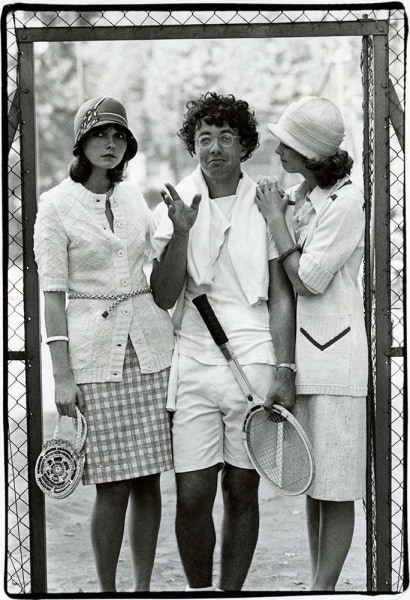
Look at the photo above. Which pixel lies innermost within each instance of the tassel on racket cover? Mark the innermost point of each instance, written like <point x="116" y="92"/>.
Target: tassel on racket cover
<point x="276" y="443"/>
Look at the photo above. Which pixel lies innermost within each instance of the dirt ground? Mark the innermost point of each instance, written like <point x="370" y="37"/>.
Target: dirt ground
<point x="280" y="563"/>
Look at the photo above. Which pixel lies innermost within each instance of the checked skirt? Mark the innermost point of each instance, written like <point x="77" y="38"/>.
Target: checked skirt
<point x="129" y="432"/>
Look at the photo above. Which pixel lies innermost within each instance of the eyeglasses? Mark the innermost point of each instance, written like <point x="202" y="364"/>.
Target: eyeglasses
<point x="225" y="140"/>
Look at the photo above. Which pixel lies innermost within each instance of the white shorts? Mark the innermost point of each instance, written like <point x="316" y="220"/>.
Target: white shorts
<point x="210" y="406"/>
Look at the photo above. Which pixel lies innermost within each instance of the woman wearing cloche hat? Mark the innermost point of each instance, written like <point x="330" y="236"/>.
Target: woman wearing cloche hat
<point x="318" y="227"/>
<point x="111" y="346"/>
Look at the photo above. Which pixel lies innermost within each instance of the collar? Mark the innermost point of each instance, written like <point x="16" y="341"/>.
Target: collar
<point x="318" y="196"/>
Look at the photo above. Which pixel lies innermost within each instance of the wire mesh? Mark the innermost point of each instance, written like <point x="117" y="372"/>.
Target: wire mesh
<point x="397" y="303"/>
<point x="181" y="17"/>
<point x="396" y="408"/>
<point x="18" y="574"/>
<point x="18" y="547"/>
<point x="18" y="543"/>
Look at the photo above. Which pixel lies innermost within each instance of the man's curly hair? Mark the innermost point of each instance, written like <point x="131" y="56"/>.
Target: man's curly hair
<point x="218" y="110"/>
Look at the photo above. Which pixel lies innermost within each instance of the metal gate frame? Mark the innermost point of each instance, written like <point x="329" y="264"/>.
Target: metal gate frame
<point x="378" y="99"/>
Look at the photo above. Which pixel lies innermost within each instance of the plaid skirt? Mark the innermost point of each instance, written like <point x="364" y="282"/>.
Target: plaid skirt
<point x="129" y="432"/>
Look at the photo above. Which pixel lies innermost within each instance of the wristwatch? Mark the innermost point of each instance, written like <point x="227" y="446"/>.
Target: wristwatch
<point x="290" y="366"/>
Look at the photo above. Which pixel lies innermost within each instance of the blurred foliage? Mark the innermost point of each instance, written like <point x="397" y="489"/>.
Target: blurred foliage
<point x="55" y="105"/>
<point x="155" y="79"/>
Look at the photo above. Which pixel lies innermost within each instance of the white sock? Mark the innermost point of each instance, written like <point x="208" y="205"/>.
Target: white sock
<point x="211" y="588"/>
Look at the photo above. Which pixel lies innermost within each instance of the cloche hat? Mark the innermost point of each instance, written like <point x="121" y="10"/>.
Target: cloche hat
<point x="100" y="111"/>
<point x="313" y="126"/>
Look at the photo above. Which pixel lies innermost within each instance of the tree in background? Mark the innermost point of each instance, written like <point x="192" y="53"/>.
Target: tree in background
<point x="55" y="102"/>
<point x="155" y="79"/>
<point x="59" y="91"/>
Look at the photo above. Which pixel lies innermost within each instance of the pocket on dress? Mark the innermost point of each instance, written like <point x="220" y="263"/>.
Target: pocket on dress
<point x="323" y="349"/>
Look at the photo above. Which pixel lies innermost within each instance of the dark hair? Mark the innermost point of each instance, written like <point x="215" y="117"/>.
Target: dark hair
<point x="330" y="169"/>
<point x="217" y="110"/>
<point x="81" y="168"/>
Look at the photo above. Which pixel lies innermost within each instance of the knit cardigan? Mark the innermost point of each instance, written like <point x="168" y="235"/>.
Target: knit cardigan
<point x="76" y="251"/>
<point x="331" y="343"/>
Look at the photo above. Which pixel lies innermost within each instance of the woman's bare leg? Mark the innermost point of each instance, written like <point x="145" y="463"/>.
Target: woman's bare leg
<point x="107" y="530"/>
<point x="335" y="538"/>
<point x="144" y="522"/>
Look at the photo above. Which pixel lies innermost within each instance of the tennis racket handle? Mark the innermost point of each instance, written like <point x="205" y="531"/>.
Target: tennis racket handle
<point x="209" y="317"/>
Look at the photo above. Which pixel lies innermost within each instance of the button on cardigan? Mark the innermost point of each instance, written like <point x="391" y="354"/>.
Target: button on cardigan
<point x="77" y="252"/>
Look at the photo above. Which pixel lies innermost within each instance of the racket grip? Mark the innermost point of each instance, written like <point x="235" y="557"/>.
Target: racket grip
<point x="205" y="310"/>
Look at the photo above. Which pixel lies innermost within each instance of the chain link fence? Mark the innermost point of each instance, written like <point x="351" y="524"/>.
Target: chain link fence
<point x="398" y="414"/>
<point x="386" y="555"/>
<point x="18" y="575"/>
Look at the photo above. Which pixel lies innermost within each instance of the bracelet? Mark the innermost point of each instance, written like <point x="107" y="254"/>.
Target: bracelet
<point x="57" y="338"/>
<point x="288" y="252"/>
<point x="290" y="366"/>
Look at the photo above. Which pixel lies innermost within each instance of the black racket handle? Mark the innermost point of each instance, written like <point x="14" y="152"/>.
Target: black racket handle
<point x="205" y="310"/>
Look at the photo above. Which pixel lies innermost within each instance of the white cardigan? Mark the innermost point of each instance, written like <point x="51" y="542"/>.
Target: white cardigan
<point x="76" y="251"/>
<point x="331" y="344"/>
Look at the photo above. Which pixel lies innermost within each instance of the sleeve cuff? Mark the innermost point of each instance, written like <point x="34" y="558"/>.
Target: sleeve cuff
<point x="48" y="285"/>
<point x="314" y="276"/>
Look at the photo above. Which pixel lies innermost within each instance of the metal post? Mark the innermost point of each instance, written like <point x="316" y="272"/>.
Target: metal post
<point x="382" y="317"/>
<point x="368" y="299"/>
<point x="32" y="319"/>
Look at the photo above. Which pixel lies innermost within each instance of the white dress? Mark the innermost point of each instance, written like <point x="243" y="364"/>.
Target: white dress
<point x="335" y="425"/>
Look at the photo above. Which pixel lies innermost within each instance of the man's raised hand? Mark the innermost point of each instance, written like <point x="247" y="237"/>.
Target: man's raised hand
<point x="182" y="216"/>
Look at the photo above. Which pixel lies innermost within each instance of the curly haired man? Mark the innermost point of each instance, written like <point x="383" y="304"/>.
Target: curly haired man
<point x="211" y="238"/>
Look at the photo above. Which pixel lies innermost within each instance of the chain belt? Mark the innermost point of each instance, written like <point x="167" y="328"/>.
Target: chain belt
<point x="116" y="297"/>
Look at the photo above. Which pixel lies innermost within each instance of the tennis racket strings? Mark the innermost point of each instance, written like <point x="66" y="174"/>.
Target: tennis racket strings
<point x="278" y="451"/>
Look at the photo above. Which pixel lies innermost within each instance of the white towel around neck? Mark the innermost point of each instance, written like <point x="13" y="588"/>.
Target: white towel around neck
<point x="247" y="241"/>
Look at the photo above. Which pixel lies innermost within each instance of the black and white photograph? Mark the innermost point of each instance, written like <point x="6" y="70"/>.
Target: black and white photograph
<point x="204" y="241"/>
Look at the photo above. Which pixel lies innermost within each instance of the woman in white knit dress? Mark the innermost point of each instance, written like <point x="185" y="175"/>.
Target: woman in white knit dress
<point x="111" y="345"/>
<point x="318" y="227"/>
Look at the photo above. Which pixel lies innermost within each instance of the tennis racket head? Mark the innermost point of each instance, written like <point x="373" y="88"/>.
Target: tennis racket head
<point x="279" y="449"/>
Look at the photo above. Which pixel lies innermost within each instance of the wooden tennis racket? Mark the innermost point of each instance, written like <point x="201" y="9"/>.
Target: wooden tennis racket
<point x="276" y="443"/>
